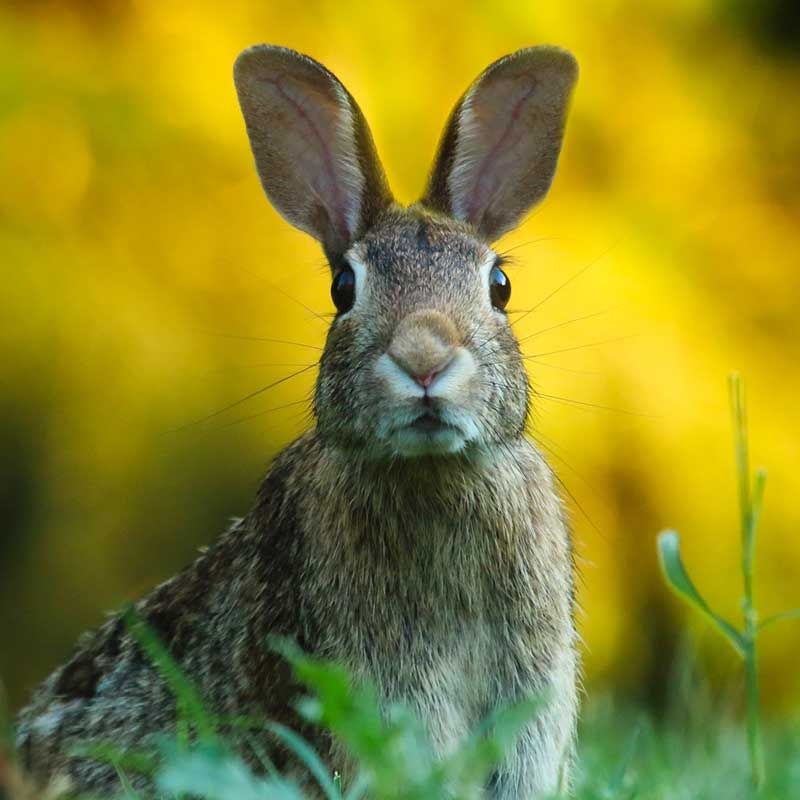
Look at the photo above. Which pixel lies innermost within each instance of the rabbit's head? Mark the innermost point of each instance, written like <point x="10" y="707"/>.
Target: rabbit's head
<point x="420" y="358"/>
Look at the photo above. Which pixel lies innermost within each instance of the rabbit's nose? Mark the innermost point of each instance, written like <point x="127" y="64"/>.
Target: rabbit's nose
<point x="423" y="345"/>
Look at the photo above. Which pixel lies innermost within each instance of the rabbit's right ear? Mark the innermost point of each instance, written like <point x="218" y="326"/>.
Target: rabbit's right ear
<point x="313" y="150"/>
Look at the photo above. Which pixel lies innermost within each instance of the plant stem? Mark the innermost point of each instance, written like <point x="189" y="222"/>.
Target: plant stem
<point x="750" y="509"/>
<point x="754" y="744"/>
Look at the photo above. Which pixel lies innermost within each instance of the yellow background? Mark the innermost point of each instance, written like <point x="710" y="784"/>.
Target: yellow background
<point x="136" y="245"/>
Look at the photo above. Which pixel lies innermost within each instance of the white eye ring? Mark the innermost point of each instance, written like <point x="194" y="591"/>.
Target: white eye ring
<point x="360" y="271"/>
<point x="486" y="267"/>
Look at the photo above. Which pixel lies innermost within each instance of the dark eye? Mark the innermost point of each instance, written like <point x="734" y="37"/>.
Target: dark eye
<point x="499" y="288"/>
<point x="343" y="290"/>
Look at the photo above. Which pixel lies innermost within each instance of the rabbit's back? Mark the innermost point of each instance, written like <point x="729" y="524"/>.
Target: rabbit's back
<point x="214" y="618"/>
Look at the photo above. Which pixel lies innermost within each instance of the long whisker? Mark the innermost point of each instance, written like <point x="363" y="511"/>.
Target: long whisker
<point x="267" y="339"/>
<point x="565" y="369"/>
<point x="579" y="347"/>
<point x="552" y="447"/>
<point x="580" y="403"/>
<point x="561" y="325"/>
<point x="568" y="281"/>
<point x="266" y="411"/>
<point x="555" y="291"/>
<point x="244" y="399"/>
<point x="475" y="328"/>
<point x="536" y="356"/>
<point x="286" y="294"/>
<point x="563" y="485"/>
<point x="265" y="364"/>
<point x="500" y="440"/>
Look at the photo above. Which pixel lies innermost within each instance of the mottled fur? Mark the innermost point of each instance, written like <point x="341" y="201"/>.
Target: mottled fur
<point x="444" y="579"/>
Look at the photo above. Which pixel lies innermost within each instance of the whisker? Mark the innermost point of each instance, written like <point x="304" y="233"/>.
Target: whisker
<point x="266" y="411"/>
<point x="566" y="369"/>
<point x="571" y="495"/>
<point x="475" y="328"/>
<point x="286" y="294"/>
<point x="266" y="339"/>
<point x="536" y="356"/>
<point x="580" y="346"/>
<point x="265" y="364"/>
<point x="502" y="442"/>
<point x="552" y="449"/>
<point x="555" y="291"/>
<point x="569" y="401"/>
<point x="561" y="325"/>
<point x="568" y="281"/>
<point x="244" y="399"/>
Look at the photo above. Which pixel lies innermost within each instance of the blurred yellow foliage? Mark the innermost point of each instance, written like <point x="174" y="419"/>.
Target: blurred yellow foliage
<point x="137" y="249"/>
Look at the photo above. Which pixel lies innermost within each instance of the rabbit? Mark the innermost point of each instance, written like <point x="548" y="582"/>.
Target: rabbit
<point x="414" y="534"/>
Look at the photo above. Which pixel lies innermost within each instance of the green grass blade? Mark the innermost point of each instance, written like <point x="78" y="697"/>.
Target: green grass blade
<point x="213" y="774"/>
<point x="757" y="500"/>
<point x="261" y="755"/>
<point x="187" y="698"/>
<point x="669" y="551"/>
<point x="784" y="616"/>
<point x="303" y="750"/>
<point x="753" y="517"/>
<point x="127" y="790"/>
<point x="739" y="413"/>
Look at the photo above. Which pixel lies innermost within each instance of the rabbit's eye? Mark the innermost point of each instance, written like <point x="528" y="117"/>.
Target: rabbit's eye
<point x="499" y="288"/>
<point x="343" y="290"/>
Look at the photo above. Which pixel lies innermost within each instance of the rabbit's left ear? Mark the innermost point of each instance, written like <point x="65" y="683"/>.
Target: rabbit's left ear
<point x="500" y="147"/>
<point x="313" y="149"/>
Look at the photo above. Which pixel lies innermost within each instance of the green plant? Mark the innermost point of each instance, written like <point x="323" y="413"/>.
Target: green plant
<point x="394" y="756"/>
<point x="743" y="640"/>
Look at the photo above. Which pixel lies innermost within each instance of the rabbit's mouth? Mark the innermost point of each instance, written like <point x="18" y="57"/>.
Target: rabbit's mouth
<point x="429" y="423"/>
<point x="428" y="434"/>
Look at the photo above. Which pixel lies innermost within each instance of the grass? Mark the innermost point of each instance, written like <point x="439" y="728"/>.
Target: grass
<point x="699" y="751"/>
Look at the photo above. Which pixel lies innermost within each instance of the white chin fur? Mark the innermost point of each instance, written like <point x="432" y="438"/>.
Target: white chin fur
<point x="409" y="443"/>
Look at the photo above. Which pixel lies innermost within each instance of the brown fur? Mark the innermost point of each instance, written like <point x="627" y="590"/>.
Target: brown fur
<point x="445" y="579"/>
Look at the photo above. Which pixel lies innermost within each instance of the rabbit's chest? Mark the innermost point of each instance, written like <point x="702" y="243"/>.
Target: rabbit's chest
<point x="434" y="627"/>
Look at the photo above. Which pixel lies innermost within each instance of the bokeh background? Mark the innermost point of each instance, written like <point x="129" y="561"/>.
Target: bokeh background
<point x="143" y="272"/>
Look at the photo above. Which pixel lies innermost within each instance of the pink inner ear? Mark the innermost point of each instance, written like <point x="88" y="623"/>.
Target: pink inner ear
<point x="314" y="131"/>
<point x="509" y="130"/>
<point x="498" y="130"/>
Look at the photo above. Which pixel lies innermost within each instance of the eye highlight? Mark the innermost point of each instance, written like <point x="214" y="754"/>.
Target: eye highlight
<point x="343" y="290"/>
<point x="499" y="288"/>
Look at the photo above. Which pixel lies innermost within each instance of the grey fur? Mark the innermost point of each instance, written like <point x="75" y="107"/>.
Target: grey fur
<point x="446" y="579"/>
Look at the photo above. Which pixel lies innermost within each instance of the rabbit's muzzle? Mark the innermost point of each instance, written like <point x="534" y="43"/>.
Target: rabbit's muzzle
<point x="427" y="374"/>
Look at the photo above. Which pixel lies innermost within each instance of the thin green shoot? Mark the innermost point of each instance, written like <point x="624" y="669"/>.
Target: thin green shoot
<point x="744" y="641"/>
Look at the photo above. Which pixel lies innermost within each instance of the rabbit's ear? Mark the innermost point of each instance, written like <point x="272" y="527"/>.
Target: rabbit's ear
<point x="500" y="147"/>
<point x="313" y="150"/>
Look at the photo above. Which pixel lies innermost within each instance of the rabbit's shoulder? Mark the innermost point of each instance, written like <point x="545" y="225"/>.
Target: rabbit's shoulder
<point x="214" y="618"/>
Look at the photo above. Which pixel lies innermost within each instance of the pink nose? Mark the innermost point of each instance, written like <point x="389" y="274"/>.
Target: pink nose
<point x="428" y="378"/>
